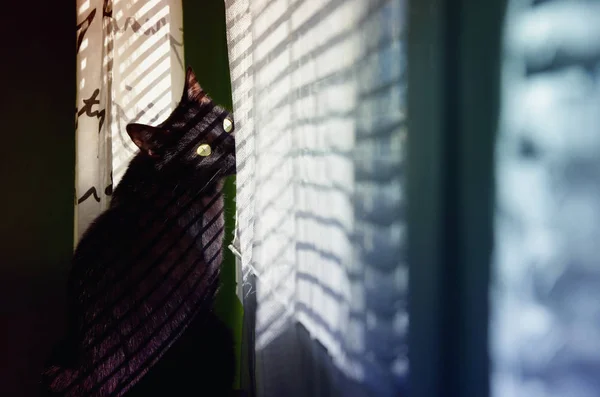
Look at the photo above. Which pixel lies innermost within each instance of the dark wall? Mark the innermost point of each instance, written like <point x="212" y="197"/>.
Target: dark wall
<point x="37" y="175"/>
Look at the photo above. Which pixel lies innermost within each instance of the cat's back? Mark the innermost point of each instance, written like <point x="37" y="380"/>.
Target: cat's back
<point x="115" y="227"/>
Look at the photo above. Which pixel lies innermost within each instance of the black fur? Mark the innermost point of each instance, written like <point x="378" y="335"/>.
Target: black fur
<point x="145" y="273"/>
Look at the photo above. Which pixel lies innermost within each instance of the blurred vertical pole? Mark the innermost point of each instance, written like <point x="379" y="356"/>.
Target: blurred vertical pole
<point x="427" y="125"/>
<point x="480" y="62"/>
<point x="454" y="59"/>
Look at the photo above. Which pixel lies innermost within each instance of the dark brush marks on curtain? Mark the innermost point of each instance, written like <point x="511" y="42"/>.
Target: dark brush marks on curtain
<point x="129" y="55"/>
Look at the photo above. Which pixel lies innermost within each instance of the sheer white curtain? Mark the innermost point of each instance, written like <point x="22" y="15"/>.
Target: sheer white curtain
<point x="129" y="69"/>
<point x="545" y="329"/>
<point x="318" y="92"/>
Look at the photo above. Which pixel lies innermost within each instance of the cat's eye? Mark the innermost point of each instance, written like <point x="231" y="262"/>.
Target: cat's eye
<point x="203" y="150"/>
<point x="227" y="125"/>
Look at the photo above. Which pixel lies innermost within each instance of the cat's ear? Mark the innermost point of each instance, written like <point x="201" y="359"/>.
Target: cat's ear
<point x="149" y="139"/>
<point x="192" y="90"/>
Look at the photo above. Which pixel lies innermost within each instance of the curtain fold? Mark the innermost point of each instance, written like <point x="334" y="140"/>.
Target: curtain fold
<point x="129" y="69"/>
<point x="319" y="99"/>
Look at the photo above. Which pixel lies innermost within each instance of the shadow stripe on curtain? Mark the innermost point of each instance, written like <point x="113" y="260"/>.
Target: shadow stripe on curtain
<point x="318" y="93"/>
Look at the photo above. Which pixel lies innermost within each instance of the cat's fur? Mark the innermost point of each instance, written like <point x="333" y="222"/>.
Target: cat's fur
<point x="145" y="273"/>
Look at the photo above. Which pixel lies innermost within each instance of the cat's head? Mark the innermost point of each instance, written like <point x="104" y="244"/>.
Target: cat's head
<point x="197" y="139"/>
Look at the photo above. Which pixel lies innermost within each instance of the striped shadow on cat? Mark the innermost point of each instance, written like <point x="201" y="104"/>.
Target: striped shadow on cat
<point x="145" y="273"/>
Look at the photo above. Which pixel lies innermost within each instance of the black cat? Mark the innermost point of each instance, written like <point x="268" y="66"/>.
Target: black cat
<point x="145" y="273"/>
